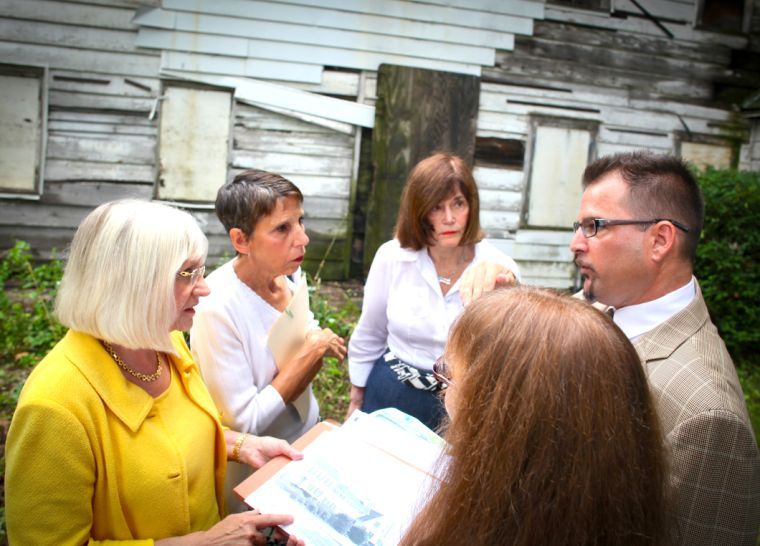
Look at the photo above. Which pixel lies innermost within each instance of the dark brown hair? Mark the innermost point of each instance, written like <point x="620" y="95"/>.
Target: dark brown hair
<point x="250" y="196"/>
<point x="431" y="181"/>
<point x="554" y="438"/>
<point x="660" y="186"/>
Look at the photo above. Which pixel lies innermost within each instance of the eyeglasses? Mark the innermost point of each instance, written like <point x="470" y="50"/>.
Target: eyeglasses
<point x="589" y="226"/>
<point x="441" y="372"/>
<point x="193" y="275"/>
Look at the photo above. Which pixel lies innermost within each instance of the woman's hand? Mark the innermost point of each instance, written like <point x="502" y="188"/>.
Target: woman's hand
<point x="482" y="278"/>
<point x="356" y="400"/>
<point x="238" y="529"/>
<point x="297" y="371"/>
<point x="255" y="451"/>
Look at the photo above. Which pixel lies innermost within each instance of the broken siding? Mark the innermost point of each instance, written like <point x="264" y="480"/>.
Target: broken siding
<point x="100" y="144"/>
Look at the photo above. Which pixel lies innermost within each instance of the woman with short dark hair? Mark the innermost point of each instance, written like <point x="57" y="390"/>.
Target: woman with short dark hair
<point x="263" y="215"/>
<point x="411" y="296"/>
<point x="553" y="437"/>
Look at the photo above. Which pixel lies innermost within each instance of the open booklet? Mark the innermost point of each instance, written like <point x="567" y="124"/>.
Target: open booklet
<point x="358" y="484"/>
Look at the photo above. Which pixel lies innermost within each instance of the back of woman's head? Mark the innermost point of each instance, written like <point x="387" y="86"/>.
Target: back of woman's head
<point x="553" y="436"/>
<point x="118" y="284"/>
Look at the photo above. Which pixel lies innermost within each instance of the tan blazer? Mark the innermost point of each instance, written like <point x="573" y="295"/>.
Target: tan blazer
<point x="715" y="465"/>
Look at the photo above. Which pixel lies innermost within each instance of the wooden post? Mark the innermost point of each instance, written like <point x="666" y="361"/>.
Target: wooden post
<point x="417" y="112"/>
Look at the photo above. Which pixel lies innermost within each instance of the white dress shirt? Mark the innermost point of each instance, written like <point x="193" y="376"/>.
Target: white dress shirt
<point x="636" y="320"/>
<point x="405" y="310"/>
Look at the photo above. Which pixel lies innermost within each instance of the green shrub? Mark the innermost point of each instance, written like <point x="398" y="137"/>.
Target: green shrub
<point x="727" y="258"/>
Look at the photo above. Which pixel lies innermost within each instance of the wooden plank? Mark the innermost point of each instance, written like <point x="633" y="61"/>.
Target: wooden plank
<point x="341" y="19"/>
<point x="469" y="17"/>
<point x="92" y="194"/>
<point x="418" y="112"/>
<point x="120" y="64"/>
<point x="335" y="126"/>
<point x="498" y="179"/>
<point x="46" y="243"/>
<point x="626" y="41"/>
<point x="310" y="35"/>
<point x="195" y="42"/>
<point x="55" y="34"/>
<point x="496" y="200"/>
<point x="124" y="149"/>
<point x="335" y="145"/>
<point x="256" y="117"/>
<point x="99" y="130"/>
<point x="32" y="215"/>
<point x="495" y="222"/>
<point x="75" y="100"/>
<point x="191" y="63"/>
<point x="673" y="11"/>
<point x="281" y="163"/>
<point x="101" y="118"/>
<point x="90" y="82"/>
<point x="492" y="123"/>
<point x="642" y="26"/>
<point x="64" y="170"/>
<point x="494" y="96"/>
<point x="69" y="13"/>
<point x="319" y="186"/>
<point x="297" y="100"/>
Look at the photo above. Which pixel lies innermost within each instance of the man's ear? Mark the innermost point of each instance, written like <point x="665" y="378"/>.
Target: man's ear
<point x="664" y="240"/>
<point x="239" y="241"/>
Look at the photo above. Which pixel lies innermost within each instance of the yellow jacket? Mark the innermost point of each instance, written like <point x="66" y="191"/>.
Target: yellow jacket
<point x="85" y="461"/>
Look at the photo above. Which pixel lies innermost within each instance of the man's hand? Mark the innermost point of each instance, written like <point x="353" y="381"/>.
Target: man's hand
<point x="482" y="278"/>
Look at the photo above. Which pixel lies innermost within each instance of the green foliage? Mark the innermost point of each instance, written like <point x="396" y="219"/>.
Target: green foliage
<point x="727" y="258"/>
<point x="331" y="385"/>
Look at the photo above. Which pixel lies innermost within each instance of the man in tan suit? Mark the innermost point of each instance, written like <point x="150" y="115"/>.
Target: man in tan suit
<point x="635" y="242"/>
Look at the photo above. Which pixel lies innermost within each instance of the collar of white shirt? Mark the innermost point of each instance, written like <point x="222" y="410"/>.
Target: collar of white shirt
<point x="636" y="320"/>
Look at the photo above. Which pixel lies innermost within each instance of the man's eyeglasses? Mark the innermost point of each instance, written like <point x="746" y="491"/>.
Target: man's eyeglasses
<point x="589" y="226"/>
<point x="193" y="275"/>
<point x="441" y="372"/>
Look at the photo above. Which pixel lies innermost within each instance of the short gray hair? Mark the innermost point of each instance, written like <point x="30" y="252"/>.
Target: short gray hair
<point x="118" y="284"/>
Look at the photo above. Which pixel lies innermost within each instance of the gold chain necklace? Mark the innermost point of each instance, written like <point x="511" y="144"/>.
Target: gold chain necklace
<point x="148" y="378"/>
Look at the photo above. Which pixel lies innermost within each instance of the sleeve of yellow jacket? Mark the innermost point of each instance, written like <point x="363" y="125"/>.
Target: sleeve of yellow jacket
<point x="52" y="508"/>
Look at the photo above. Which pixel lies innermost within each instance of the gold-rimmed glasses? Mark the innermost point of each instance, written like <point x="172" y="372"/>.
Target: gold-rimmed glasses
<point x="193" y="275"/>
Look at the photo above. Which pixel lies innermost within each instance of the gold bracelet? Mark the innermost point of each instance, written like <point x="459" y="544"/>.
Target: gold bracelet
<point x="237" y="446"/>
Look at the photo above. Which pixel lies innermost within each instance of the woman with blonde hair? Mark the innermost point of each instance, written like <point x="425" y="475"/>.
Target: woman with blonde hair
<point x="553" y="437"/>
<point x="115" y="437"/>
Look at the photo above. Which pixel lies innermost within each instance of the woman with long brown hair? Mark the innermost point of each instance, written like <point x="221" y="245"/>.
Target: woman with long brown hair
<point x="553" y="437"/>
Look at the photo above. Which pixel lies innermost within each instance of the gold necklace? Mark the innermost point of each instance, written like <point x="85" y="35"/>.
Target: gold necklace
<point x="148" y="378"/>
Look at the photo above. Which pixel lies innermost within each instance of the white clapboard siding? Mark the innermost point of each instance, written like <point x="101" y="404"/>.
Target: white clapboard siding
<point x="262" y="50"/>
<point x="341" y="19"/>
<point x="282" y="163"/>
<point x="500" y="200"/>
<point x="280" y="32"/>
<point x="522" y="8"/>
<point x="326" y="144"/>
<point x="467" y="17"/>
<point x="500" y="222"/>
<point x="68" y="99"/>
<point x="236" y="66"/>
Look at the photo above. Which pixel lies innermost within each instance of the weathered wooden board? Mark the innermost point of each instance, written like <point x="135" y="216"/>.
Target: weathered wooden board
<point x="288" y="163"/>
<point x="124" y="149"/>
<point x="499" y="200"/>
<point x="523" y="8"/>
<point x="69" y="13"/>
<point x="417" y="112"/>
<point x="55" y="34"/>
<point x="237" y="66"/>
<point x="662" y="9"/>
<point x="505" y="180"/>
<point x="75" y="100"/>
<point x="322" y="144"/>
<point x="121" y="64"/>
<point x="63" y="170"/>
<point x="92" y="194"/>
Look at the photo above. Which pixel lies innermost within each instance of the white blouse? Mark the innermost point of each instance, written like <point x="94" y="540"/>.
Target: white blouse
<point x="405" y="310"/>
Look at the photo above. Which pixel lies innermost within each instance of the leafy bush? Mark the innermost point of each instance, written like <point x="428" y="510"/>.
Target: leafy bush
<point x="727" y="258"/>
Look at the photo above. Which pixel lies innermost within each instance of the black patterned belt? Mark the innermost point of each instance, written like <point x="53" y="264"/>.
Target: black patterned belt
<point x="406" y="373"/>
